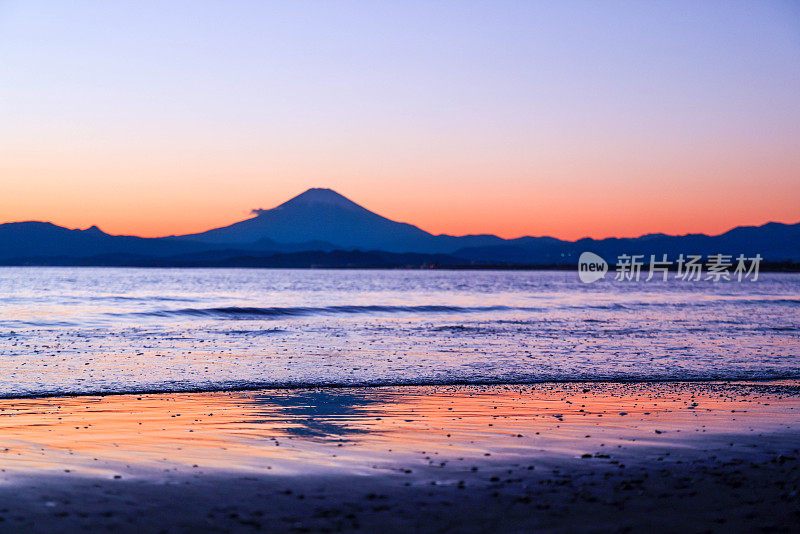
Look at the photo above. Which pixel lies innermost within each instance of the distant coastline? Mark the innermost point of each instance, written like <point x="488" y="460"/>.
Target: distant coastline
<point x="339" y="260"/>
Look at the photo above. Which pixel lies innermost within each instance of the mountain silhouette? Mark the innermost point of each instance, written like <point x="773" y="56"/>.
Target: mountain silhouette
<point x="320" y="227"/>
<point x="326" y="216"/>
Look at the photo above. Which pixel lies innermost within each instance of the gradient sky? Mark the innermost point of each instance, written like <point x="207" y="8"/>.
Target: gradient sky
<point x="515" y="118"/>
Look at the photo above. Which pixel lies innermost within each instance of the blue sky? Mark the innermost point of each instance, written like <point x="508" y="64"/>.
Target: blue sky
<point x="566" y="118"/>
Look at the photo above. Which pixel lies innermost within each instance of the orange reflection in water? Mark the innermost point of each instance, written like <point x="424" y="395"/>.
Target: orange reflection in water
<point x="359" y="430"/>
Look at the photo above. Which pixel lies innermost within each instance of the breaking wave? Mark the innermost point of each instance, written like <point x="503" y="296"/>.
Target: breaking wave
<point x="302" y="311"/>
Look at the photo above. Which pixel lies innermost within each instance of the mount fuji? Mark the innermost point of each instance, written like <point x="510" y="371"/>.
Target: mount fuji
<point x="327" y="218"/>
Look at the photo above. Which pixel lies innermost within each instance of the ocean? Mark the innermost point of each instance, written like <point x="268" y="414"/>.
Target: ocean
<point x="69" y="331"/>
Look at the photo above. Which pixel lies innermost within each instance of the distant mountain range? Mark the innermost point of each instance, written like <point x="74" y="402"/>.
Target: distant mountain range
<point x="321" y="228"/>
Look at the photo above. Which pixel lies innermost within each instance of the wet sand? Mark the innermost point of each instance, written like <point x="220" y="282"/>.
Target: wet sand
<point x="596" y="457"/>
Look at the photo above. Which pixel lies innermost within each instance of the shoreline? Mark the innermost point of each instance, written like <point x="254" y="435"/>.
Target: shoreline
<point x="793" y="381"/>
<point x="588" y="457"/>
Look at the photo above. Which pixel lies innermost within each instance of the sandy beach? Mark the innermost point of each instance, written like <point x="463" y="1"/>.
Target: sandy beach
<point x="399" y="267"/>
<point x="590" y="457"/>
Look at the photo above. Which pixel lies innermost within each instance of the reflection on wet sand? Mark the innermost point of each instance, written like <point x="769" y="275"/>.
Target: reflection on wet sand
<point x="321" y="414"/>
<point x="398" y="428"/>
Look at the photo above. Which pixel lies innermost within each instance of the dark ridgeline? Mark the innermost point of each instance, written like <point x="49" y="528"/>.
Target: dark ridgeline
<point x="321" y="228"/>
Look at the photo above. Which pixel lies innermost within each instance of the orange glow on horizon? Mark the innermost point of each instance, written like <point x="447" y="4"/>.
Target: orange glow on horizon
<point x="539" y="195"/>
<point x="570" y="213"/>
<point x="570" y="222"/>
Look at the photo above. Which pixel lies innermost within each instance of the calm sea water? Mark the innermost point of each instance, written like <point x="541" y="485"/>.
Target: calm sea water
<point x="90" y="330"/>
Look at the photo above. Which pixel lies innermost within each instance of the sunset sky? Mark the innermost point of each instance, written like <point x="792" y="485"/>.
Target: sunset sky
<point x="568" y="119"/>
